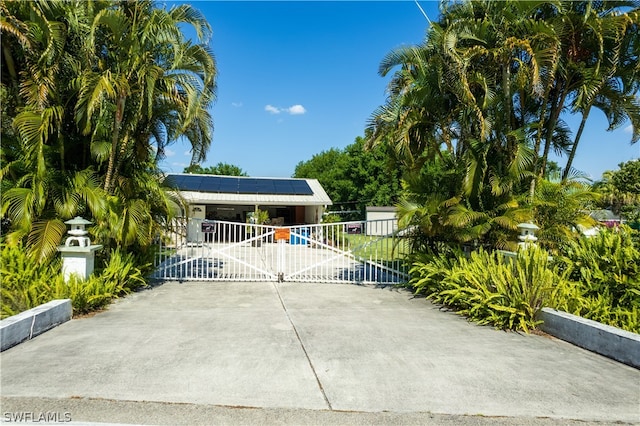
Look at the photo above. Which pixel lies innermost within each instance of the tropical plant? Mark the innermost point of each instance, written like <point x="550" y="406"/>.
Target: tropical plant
<point x="601" y="51"/>
<point x="95" y="92"/>
<point x="595" y="279"/>
<point x="27" y="283"/>
<point x="561" y="209"/>
<point x="488" y="289"/>
<point x="608" y="266"/>
<point x="620" y="190"/>
<point x="486" y="92"/>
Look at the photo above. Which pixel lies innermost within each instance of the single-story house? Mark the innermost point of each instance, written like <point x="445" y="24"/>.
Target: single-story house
<point x="606" y="217"/>
<point x="288" y="201"/>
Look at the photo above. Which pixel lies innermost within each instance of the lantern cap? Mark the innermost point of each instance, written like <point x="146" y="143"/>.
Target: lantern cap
<point x="78" y="221"/>
<point x="528" y="225"/>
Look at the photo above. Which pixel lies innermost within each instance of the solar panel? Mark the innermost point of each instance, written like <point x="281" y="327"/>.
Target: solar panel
<point x="247" y="186"/>
<point x="210" y="185"/>
<point x="301" y="187"/>
<point x="228" y="186"/>
<point x="192" y="183"/>
<point x="281" y="187"/>
<point x="237" y="185"/>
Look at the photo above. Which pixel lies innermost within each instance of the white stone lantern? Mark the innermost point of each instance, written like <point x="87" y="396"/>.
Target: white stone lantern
<point x="78" y="254"/>
<point x="527" y="235"/>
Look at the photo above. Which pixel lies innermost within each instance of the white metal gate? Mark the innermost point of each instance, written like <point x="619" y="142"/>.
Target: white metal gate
<point x="363" y="252"/>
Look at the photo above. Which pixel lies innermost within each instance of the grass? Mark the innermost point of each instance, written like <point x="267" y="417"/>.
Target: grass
<point x="385" y="249"/>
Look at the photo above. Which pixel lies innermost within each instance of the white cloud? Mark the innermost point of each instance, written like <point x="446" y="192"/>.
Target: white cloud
<point x="169" y="152"/>
<point x="236" y="104"/>
<point x="293" y="110"/>
<point x="629" y="129"/>
<point x="296" y="110"/>
<point x="272" y="109"/>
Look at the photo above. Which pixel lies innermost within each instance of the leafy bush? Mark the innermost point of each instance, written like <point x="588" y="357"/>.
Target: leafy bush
<point x="122" y="273"/>
<point x="489" y="289"/>
<point x="607" y="266"/>
<point x="27" y="284"/>
<point x="596" y="278"/>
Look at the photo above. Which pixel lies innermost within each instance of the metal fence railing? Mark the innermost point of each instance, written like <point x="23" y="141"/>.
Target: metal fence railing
<point x="367" y="251"/>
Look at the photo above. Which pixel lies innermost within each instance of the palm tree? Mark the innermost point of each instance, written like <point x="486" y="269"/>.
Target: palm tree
<point x="94" y="117"/>
<point x="560" y="209"/>
<point x="39" y="190"/>
<point x="608" y="79"/>
<point x="153" y="85"/>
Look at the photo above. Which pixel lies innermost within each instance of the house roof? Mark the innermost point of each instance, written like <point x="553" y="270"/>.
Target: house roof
<point x="215" y="189"/>
<point x="381" y="209"/>
<point x="604" y="215"/>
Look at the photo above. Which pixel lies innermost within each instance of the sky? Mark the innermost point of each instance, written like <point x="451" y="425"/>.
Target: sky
<point x="296" y="78"/>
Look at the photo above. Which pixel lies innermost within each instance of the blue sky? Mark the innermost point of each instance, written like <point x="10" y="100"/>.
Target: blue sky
<point x="300" y="77"/>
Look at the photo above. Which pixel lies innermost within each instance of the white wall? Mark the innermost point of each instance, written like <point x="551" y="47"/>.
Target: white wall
<point x="197" y="211"/>
<point x="381" y="222"/>
<point x="313" y="214"/>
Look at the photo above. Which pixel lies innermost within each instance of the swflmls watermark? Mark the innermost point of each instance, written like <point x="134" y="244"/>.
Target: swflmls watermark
<point x="36" y="417"/>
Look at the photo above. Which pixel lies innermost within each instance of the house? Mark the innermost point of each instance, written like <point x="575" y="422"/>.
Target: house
<point x="606" y="217"/>
<point x="288" y="201"/>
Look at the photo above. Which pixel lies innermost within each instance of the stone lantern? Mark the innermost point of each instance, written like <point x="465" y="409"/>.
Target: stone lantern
<point x="78" y="254"/>
<point x="527" y="235"/>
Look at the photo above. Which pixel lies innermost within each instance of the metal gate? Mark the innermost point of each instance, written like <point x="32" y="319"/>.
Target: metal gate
<point x="362" y="252"/>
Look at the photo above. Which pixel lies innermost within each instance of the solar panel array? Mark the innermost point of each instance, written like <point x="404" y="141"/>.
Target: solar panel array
<point x="237" y="185"/>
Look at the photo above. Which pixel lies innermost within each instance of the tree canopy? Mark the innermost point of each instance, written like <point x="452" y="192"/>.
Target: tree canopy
<point x="484" y="98"/>
<point x="224" y="169"/>
<point x="354" y="177"/>
<point x="620" y="190"/>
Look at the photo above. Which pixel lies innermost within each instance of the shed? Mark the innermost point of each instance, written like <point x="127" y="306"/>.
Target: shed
<point x="378" y="222"/>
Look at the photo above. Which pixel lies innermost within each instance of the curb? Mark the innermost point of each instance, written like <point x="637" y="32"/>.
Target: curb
<point x="612" y="342"/>
<point x="29" y="324"/>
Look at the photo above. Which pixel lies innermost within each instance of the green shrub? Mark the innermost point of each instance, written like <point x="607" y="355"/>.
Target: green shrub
<point x="608" y="264"/>
<point x="88" y="295"/>
<point x="27" y="284"/>
<point x="489" y="289"/>
<point x="122" y="273"/>
<point x="607" y="268"/>
<point x="596" y="278"/>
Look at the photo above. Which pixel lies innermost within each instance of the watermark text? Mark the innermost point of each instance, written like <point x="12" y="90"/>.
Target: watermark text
<point x="36" y="417"/>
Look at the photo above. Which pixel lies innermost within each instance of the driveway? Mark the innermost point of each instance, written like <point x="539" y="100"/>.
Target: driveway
<point x="293" y="353"/>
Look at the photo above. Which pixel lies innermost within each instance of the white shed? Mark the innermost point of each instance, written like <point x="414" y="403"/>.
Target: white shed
<point x="378" y="220"/>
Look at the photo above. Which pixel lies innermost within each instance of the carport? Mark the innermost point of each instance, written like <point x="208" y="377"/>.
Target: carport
<point x="288" y="201"/>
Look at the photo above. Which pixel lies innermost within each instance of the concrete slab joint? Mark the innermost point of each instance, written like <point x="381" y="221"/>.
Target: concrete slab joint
<point x="612" y="342"/>
<point x="30" y="323"/>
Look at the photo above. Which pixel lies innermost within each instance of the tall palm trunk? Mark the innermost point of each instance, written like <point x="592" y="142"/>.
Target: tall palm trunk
<point x="574" y="147"/>
<point x="11" y="67"/>
<point x="120" y="104"/>
<point x="506" y="88"/>
<point x="543" y="115"/>
<point x="553" y="120"/>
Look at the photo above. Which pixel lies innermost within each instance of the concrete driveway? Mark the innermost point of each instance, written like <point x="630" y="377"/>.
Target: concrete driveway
<point x="290" y="353"/>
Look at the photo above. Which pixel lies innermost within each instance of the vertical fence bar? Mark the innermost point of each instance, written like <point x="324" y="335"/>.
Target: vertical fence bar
<point x="364" y="251"/>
